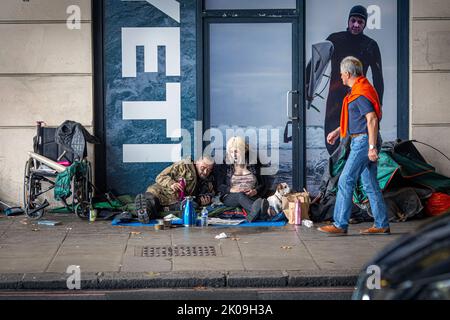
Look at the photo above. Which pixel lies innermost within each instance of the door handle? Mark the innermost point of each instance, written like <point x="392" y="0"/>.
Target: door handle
<point x="286" y="137"/>
<point x="290" y="105"/>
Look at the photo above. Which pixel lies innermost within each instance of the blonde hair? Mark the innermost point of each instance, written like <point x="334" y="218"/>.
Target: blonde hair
<point x="237" y="143"/>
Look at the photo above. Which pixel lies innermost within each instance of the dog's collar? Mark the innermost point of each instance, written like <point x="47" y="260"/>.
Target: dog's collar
<point x="276" y="196"/>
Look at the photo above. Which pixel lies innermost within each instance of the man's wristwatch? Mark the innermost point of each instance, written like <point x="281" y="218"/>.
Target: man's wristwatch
<point x="372" y="147"/>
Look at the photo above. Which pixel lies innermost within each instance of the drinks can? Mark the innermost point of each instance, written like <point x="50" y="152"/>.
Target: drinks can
<point x="181" y="194"/>
<point x="92" y="214"/>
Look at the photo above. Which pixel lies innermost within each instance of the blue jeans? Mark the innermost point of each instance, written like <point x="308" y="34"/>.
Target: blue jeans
<point x="358" y="164"/>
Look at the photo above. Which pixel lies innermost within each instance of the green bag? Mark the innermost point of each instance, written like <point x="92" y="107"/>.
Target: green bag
<point x="63" y="180"/>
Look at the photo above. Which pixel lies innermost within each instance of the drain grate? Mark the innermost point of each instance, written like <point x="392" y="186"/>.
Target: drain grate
<point x="175" y="251"/>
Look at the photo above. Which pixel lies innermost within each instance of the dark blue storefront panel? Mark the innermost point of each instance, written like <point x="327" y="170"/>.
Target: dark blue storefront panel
<point x="128" y="170"/>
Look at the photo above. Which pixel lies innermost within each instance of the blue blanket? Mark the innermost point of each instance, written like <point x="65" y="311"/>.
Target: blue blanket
<point x="117" y="222"/>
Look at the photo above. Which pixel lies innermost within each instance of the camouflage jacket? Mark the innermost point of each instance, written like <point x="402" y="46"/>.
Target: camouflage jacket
<point x="162" y="190"/>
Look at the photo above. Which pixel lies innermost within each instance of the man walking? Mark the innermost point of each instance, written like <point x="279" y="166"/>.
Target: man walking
<point x="360" y="117"/>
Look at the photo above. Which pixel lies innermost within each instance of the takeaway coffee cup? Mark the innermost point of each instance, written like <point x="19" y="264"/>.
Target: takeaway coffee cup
<point x="167" y="223"/>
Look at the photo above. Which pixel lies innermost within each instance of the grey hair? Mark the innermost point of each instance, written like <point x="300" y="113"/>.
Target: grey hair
<point x="353" y="66"/>
<point x="206" y="159"/>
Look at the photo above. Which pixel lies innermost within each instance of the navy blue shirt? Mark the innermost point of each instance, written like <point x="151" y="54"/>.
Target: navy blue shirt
<point x="357" y="111"/>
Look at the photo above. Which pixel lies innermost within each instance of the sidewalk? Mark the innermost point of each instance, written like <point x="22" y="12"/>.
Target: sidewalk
<point x="37" y="257"/>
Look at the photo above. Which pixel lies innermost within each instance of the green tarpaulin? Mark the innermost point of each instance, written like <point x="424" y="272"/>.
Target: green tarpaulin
<point x="398" y="161"/>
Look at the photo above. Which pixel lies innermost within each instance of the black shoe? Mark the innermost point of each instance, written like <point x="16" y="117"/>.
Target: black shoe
<point x="141" y="209"/>
<point x="264" y="214"/>
<point x="256" y="208"/>
<point x="152" y="207"/>
<point x="125" y="217"/>
<point x="259" y="210"/>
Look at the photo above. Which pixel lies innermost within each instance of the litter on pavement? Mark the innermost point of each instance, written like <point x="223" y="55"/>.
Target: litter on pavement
<point x="223" y="235"/>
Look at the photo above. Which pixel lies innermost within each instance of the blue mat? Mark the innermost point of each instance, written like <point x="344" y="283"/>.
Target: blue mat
<point x="255" y="224"/>
<point x="117" y="222"/>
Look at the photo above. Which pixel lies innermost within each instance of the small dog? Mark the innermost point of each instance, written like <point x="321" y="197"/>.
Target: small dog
<point x="275" y="205"/>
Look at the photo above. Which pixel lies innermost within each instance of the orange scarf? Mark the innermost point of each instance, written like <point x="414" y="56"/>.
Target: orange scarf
<point x="362" y="87"/>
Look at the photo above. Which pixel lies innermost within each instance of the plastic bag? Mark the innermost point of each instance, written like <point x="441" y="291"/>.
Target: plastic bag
<point x="438" y="204"/>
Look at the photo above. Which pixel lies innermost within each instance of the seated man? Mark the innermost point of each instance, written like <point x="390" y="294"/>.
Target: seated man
<point x="181" y="178"/>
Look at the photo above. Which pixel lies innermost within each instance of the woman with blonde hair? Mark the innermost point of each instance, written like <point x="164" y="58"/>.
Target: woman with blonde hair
<point x="243" y="185"/>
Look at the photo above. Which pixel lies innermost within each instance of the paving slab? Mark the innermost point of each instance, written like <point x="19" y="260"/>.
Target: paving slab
<point x="96" y="249"/>
<point x="12" y="236"/>
<point x="207" y="263"/>
<point x="379" y="243"/>
<point x="104" y="229"/>
<point x="18" y="265"/>
<point x="141" y="264"/>
<point x="3" y="229"/>
<point x="288" y="238"/>
<point x="312" y="233"/>
<point x="139" y="238"/>
<point x="341" y="253"/>
<point x="5" y="220"/>
<point x="96" y="239"/>
<point x="87" y="263"/>
<point x="266" y="255"/>
<point x="92" y="255"/>
<point x="4" y="226"/>
<point x="28" y="250"/>
<point x="249" y="232"/>
<point x="271" y="263"/>
<point x="194" y="236"/>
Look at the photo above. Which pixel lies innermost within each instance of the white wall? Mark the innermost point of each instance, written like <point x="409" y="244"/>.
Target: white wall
<point x="45" y="74"/>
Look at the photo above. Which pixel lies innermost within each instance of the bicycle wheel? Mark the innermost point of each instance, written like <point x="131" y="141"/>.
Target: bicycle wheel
<point x="83" y="191"/>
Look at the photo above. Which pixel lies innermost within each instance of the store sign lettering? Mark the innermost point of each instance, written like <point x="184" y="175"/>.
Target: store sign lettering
<point x="168" y="110"/>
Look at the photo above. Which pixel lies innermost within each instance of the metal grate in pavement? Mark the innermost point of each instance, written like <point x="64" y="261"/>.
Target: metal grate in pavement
<point x="175" y="251"/>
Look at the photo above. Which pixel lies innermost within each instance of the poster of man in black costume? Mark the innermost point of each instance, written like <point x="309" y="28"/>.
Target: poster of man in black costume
<point x="366" y="30"/>
<point x="352" y="42"/>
